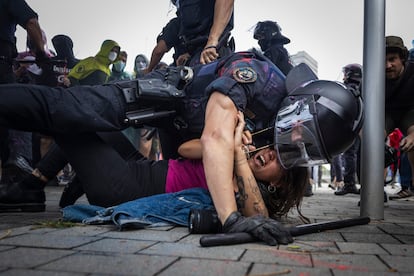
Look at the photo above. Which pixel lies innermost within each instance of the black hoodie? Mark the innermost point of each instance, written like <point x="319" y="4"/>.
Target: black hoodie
<point x="64" y="60"/>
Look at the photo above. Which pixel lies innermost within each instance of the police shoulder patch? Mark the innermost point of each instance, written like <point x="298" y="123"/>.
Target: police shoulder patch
<point x="245" y="75"/>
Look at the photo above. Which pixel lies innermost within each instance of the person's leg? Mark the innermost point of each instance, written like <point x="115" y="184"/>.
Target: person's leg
<point x="405" y="178"/>
<point x="350" y="163"/>
<point x="349" y="183"/>
<point x="57" y="110"/>
<point x="106" y="177"/>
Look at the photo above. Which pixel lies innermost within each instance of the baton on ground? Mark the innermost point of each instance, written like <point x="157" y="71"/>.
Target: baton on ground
<point x="237" y="238"/>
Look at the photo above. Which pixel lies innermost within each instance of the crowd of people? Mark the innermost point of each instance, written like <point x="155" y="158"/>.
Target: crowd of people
<point x="221" y="119"/>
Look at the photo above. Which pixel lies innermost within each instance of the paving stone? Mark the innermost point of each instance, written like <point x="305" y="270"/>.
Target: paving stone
<point x="277" y="256"/>
<point x="116" y="245"/>
<point x="400" y="263"/>
<point x="5" y="247"/>
<point x="148" y="235"/>
<point x="194" y="251"/>
<point x="35" y="272"/>
<point x="193" y="267"/>
<point x="349" y="262"/>
<point x="399" y="249"/>
<point x="125" y="264"/>
<point x="30" y="257"/>
<point x="369" y="237"/>
<point x="273" y="269"/>
<point x="47" y="241"/>
<point x="360" y="248"/>
<point x="322" y="236"/>
<point x="85" y="230"/>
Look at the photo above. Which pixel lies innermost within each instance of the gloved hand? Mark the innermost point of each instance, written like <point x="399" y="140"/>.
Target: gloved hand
<point x="265" y="229"/>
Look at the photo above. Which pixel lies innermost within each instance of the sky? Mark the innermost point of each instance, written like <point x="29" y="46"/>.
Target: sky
<point x="331" y="31"/>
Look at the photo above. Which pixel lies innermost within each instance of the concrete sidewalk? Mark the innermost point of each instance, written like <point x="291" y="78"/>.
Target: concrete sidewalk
<point x="32" y="244"/>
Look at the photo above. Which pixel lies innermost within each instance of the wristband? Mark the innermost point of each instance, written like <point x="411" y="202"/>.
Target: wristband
<point x="210" y="47"/>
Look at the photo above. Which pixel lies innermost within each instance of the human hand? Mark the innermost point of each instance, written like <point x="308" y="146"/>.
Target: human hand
<point x="407" y="143"/>
<point x="265" y="229"/>
<point x="209" y="54"/>
<point x="66" y="81"/>
<point x="183" y="59"/>
<point x="242" y="137"/>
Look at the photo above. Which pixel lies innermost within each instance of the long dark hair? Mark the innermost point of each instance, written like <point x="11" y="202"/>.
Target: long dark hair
<point x="287" y="195"/>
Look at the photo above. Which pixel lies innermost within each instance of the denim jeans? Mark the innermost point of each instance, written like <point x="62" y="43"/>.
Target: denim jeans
<point x="152" y="211"/>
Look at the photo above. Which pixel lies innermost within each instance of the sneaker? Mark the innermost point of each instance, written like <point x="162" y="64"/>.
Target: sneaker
<point x="347" y="189"/>
<point x="15" y="198"/>
<point x="72" y="192"/>
<point x="401" y="194"/>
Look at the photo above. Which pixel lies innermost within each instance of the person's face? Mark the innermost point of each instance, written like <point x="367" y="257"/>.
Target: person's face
<point x="122" y="57"/>
<point x="394" y="66"/>
<point x="265" y="166"/>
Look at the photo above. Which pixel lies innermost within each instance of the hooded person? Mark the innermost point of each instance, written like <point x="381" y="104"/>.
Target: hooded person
<point x="95" y="70"/>
<point x="64" y="60"/>
<point x="63" y="45"/>
<point x="118" y="68"/>
<point x="140" y="64"/>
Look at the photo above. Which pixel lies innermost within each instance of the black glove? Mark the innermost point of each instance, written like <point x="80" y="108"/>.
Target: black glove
<point x="265" y="229"/>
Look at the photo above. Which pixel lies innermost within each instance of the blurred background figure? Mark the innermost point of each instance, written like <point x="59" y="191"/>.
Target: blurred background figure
<point x="118" y="68"/>
<point x="94" y="70"/>
<point x="271" y="41"/>
<point x="140" y="64"/>
<point x="352" y="79"/>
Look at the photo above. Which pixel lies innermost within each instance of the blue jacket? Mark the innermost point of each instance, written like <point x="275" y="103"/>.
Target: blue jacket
<point x="152" y="211"/>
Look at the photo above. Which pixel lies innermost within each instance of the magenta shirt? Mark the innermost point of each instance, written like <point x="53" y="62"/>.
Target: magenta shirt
<point x="184" y="174"/>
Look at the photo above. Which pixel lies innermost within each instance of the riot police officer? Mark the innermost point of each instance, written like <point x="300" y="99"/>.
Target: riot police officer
<point x="271" y="41"/>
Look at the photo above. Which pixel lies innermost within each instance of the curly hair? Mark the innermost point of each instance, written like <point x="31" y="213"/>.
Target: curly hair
<point x="287" y="195"/>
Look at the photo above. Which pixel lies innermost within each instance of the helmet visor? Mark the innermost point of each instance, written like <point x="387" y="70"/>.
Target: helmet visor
<point x="297" y="135"/>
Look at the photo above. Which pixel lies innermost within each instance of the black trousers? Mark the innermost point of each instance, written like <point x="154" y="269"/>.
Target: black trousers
<point x="109" y="174"/>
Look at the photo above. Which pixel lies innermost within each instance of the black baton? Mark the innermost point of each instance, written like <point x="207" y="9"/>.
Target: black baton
<point x="237" y="238"/>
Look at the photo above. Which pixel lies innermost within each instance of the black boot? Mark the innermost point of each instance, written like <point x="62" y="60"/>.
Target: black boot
<point x="347" y="189"/>
<point x="24" y="196"/>
<point x="15" y="170"/>
<point x="72" y="192"/>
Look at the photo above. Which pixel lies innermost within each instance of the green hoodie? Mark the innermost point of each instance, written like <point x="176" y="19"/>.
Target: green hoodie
<point x="100" y="62"/>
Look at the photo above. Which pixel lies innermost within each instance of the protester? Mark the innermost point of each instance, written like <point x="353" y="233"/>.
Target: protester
<point x="399" y="99"/>
<point x="118" y="68"/>
<point x="94" y="70"/>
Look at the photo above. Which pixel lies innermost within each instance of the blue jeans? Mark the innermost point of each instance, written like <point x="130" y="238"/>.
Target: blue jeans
<point x="151" y="211"/>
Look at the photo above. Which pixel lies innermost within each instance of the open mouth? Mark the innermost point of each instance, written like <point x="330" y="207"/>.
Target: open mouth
<point x="261" y="159"/>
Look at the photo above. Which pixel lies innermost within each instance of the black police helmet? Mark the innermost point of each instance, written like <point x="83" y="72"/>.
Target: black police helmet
<point x="352" y="73"/>
<point x="270" y="31"/>
<point x="338" y="114"/>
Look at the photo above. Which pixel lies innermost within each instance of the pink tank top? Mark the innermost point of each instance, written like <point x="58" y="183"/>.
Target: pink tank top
<point x="184" y="174"/>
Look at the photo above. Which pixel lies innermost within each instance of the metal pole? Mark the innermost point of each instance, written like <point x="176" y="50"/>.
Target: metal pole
<point x="373" y="89"/>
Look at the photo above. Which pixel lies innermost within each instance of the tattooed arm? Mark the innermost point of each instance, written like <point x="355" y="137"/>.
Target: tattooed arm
<point x="249" y="199"/>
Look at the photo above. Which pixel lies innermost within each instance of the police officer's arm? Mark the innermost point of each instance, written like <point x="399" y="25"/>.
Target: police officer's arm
<point x="223" y="10"/>
<point x="34" y="32"/>
<point x="249" y="199"/>
<point x="157" y="53"/>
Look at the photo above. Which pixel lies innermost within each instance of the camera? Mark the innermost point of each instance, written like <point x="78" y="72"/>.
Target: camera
<point x="203" y="221"/>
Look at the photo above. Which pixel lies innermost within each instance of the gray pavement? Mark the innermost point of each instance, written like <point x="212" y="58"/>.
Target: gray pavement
<point x="35" y="244"/>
